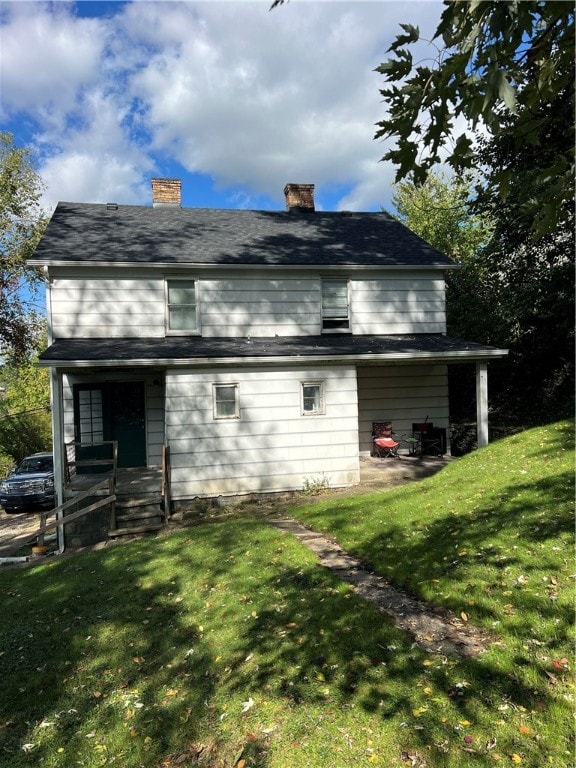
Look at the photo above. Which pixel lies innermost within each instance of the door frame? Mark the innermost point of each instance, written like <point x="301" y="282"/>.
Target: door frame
<point x="107" y="410"/>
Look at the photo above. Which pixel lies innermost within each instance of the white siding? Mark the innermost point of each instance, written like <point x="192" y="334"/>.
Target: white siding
<point x="125" y="303"/>
<point x="103" y="305"/>
<point x="257" y="306"/>
<point x="398" y="304"/>
<point x="68" y="407"/>
<point x="272" y="446"/>
<point x="154" y="420"/>
<point x="402" y="394"/>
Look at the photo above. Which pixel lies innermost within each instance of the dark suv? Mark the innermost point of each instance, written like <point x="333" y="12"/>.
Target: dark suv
<point x="30" y="485"/>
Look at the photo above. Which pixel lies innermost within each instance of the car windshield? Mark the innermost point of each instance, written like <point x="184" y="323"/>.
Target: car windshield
<point x="35" y="464"/>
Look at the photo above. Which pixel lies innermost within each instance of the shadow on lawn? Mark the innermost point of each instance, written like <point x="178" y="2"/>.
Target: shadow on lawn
<point x="317" y="644"/>
<point x="113" y="668"/>
<point x="507" y="525"/>
<point x="138" y="653"/>
<point x="492" y="533"/>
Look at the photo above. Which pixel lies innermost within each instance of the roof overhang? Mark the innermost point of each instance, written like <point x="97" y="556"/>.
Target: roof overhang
<point x="174" y="352"/>
<point x="192" y="266"/>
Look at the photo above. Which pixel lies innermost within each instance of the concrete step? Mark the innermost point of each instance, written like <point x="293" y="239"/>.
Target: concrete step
<point x="130" y="531"/>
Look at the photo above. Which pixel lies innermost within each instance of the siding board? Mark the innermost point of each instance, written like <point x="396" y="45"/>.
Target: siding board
<point x="116" y="305"/>
<point x="404" y="394"/>
<point x="272" y="447"/>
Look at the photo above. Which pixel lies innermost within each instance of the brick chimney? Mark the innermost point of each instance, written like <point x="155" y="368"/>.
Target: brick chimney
<point x="166" y="193"/>
<point x="299" y="198"/>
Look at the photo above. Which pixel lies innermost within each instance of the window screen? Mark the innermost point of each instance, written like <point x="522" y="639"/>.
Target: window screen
<point x="335" y="309"/>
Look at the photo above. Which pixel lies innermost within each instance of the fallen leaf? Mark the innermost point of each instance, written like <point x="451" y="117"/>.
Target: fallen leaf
<point x="464" y="616"/>
<point x="525" y="730"/>
<point x="246" y="705"/>
<point x="516" y="759"/>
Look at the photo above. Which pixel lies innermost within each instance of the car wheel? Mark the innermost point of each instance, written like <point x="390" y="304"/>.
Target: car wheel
<point x="11" y="510"/>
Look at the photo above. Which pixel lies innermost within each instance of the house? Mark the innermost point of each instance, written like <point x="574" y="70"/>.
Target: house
<point x="259" y="345"/>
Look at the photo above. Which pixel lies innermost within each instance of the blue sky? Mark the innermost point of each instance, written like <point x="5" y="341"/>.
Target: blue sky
<point x="232" y="98"/>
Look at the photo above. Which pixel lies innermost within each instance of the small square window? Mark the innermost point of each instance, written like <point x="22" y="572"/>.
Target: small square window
<point x="225" y="401"/>
<point x="181" y="307"/>
<point x="313" y="398"/>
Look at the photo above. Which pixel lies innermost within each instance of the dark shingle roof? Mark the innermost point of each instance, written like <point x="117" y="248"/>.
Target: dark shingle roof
<point x="91" y="233"/>
<point x="150" y="351"/>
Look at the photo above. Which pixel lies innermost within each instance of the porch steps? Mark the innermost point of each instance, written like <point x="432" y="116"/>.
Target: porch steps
<point x="138" y="501"/>
<point x="141" y="514"/>
<point x="131" y="530"/>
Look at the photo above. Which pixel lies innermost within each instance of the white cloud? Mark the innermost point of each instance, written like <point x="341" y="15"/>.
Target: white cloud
<point x="48" y="57"/>
<point x="90" y="177"/>
<point x="249" y="97"/>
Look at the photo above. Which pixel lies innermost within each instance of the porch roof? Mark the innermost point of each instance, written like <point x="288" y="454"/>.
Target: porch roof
<point x="197" y="350"/>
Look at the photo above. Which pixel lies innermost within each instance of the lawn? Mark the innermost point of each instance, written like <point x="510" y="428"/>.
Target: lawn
<point x="227" y="645"/>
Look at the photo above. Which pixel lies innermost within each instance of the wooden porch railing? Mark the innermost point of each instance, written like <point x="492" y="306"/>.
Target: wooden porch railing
<point x="72" y="463"/>
<point x="71" y="504"/>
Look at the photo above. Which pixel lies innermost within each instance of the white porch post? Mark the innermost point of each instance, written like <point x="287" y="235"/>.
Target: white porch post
<point x="58" y="443"/>
<point x="482" y="403"/>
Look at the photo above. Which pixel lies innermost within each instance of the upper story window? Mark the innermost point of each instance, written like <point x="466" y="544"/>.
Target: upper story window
<point x="335" y="304"/>
<point x="181" y="306"/>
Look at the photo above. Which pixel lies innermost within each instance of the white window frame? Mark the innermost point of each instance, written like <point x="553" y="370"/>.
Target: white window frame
<point x="335" y="323"/>
<point x="315" y="411"/>
<point x="171" y="279"/>
<point x="215" y="401"/>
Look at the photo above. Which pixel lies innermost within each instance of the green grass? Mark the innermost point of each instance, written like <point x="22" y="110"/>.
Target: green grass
<point x="226" y="644"/>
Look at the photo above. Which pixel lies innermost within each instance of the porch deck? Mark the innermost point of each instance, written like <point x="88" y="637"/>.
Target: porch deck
<point x="132" y="481"/>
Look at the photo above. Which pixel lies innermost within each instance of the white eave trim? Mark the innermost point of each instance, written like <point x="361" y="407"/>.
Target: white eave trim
<point x="400" y="357"/>
<point x="174" y="267"/>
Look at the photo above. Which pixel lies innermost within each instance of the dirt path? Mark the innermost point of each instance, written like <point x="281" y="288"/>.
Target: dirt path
<point x="15" y="529"/>
<point x="433" y="630"/>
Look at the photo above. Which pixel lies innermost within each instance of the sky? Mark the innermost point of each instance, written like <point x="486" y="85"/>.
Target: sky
<point x="232" y="98"/>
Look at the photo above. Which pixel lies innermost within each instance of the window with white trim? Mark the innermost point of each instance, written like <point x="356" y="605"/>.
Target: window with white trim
<point x="335" y="304"/>
<point x="225" y="401"/>
<point x="313" y="403"/>
<point x="181" y="306"/>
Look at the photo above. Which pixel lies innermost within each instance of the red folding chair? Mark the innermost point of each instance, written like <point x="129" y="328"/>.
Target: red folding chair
<point x="385" y="446"/>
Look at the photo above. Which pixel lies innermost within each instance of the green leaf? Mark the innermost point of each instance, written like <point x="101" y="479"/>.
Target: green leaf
<point x="412" y="35"/>
<point x="505" y="91"/>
